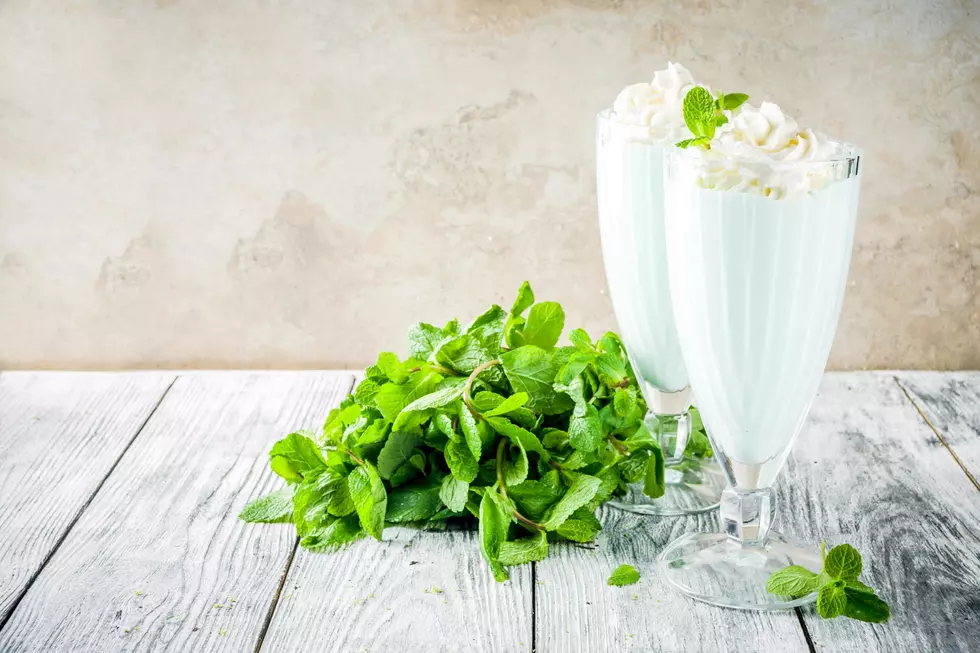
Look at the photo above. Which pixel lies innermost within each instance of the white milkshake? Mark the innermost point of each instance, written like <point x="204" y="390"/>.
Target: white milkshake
<point x="631" y="137"/>
<point x="760" y="225"/>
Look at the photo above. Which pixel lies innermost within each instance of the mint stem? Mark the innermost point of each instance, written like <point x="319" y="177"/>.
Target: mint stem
<point x="467" y="399"/>
<point x="501" y="449"/>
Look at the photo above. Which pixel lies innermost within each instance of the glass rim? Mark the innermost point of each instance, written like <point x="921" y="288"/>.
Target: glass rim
<point x="850" y="154"/>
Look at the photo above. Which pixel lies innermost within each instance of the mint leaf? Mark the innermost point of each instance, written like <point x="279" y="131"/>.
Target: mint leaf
<point x="699" y="112"/>
<point x="295" y="456"/>
<point x="275" y="507"/>
<point x="451" y="390"/>
<point x="396" y="452"/>
<point x="623" y="575"/>
<point x="423" y="339"/>
<point x="865" y="606"/>
<point x="531" y="370"/>
<point x="793" y="581"/>
<point x="522" y="437"/>
<point x="509" y="404"/>
<point x="515" y="471"/>
<point x="392" y="398"/>
<point x="488" y="330"/>
<point x="654" y="484"/>
<point x="585" y="432"/>
<point x="513" y="334"/>
<point x="494" y="522"/>
<point x="533" y="498"/>
<point x="472" y="431"/>
<point x="413" y="502"/>
<point x="831" y="600"/>
<point x="734" y="100"/>
<point x="461" y="462"/>
<point x="579" y="493"/>
<point x="544" y="325"/>
<point x="454" y="493"/>
<point x="529" y="549"/>
<point x="333" y="536"/>
<point x="370" y="498"/>
<point x="581" y="340"/>
<point x="392" y="368"/>
<point x="843" y="562"/>
<point x="582" y="526"/>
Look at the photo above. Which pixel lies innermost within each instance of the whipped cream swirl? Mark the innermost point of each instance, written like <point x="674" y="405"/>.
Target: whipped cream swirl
<point x="764" y="152"/>
<point x="657" y="105"/>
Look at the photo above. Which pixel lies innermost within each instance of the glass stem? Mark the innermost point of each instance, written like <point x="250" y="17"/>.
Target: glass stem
<point x="673" y="432"/>
<point x="747" y="515"/>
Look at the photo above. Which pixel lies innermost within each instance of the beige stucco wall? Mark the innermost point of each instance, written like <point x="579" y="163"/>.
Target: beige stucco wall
<point x="292" y="184"/>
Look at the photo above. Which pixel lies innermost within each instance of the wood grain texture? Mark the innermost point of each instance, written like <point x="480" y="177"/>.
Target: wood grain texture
<point x="160" y="548"/>
<point x="577" y="612"/>
<point x="951" y="403"/>
<point x="867" y="470"/>
<point x="415" y="592"/>
<point x="60" y="435"/>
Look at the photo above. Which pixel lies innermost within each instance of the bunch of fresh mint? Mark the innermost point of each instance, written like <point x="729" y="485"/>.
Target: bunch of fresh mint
<point x="839" y="592"/>
<point x="703" y="114"/>
<point x="494" y="422"/>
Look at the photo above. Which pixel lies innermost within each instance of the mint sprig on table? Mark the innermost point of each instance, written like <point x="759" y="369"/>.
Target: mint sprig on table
<point x="623" y="575"/>
<point x="703" y="114"/>
<point x="839" y="590"/>
<point x="492" y="424"/>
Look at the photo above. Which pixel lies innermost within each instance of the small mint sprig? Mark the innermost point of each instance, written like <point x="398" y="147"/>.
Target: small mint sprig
<point x="704" y="114"/>
<point x="839" y="590"/>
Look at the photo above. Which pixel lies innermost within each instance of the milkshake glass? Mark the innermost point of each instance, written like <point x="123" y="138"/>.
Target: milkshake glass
<point x="758" y="257"/>
<point x="629" y="166"/>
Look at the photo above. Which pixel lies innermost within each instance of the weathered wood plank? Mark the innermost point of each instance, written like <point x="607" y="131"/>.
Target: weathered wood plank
<point x="416" y="592"/>
<point x="575" y="610"/>
<point x="60" y="435"/>
<point x="160" y="547"/>
<point x="951" y="403"/>
<point x="867" y="470"/>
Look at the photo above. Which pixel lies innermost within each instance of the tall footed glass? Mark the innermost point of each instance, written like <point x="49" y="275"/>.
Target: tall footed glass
<point x="629" y="167"/>
<point x="758" y="256"/>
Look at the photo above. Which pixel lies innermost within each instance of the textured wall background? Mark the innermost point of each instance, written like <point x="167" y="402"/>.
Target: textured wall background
<point x="292" y="184"/>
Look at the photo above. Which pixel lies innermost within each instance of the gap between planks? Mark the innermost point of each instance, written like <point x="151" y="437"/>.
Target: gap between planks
<point x="942" y="439"/>
<point x="81" y="511"/>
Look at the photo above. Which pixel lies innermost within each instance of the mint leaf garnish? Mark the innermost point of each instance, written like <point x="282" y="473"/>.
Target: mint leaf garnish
<point x="831" y="600"/>
<point x="497" y="424"/>
<point x="703" y="114"/>
<point x="843" y="562"/>
<point x="623" y="575"/>
<point x="733" y="101"/>
<point x="839" y="590"/>
<point x="793" y="581"/>
<point x="699" y="112"/>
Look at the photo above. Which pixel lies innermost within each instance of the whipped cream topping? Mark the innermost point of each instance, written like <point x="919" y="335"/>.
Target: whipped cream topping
<point x="657" y="105"/>
<point x="760" y="150"/>
<point x="764" y="152"/>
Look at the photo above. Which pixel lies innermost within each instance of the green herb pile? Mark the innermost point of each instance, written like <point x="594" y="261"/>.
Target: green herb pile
<point x="493" y="422"/>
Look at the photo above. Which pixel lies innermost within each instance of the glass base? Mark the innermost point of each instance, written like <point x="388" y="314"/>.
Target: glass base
<point x="715" y="569"/>
<point x="692" y="486"/>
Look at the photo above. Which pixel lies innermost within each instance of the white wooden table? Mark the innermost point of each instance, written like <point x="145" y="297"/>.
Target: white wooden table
<point x="119" y="496"/>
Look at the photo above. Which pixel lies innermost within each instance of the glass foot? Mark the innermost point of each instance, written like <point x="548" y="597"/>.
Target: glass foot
<point x="713" y="568"/>
<point x="693" y="486"/>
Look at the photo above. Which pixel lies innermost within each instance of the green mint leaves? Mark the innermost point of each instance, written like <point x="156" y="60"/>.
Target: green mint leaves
<point x="839" y="590"/>
<point x="623" y="575"/>
<point x="703" y="114"/>
<point x="494" y="423"/>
